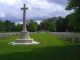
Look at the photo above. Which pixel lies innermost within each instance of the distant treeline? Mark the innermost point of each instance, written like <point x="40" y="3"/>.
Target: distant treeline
<point x="53" y="24"/>
<point x="70" y="23"/>
<point x="8" y="26"/>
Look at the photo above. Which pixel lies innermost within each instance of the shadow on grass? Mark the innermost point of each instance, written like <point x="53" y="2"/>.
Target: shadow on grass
<point x="69" y="52"/>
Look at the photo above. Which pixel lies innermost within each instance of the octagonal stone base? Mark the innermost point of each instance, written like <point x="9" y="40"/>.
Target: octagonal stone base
<point x="24" y="42"/>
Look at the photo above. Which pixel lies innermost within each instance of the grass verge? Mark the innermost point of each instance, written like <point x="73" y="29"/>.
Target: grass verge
<point x="50" y="48"/>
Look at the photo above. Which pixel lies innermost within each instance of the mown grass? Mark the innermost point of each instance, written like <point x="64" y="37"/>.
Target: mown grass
<point x="50" y="48"/>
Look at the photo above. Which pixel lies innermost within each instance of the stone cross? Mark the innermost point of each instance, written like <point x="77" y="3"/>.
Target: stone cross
<point x="24" y="34"/>
<point x="24" y="17"/>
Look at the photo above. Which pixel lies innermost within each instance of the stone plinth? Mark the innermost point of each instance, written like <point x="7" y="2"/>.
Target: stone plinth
<point x="23" y="41"/>
<point x="33" y="43"/>
<point x="24" y="35"/>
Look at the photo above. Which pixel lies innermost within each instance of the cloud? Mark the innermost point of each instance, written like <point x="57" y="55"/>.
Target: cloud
<point x="9" y="2"/>
<point x="2" y="14"/>
<point x="61" y="2"/>
<point x="44" y="9"/>
<point x="38" y="9"/>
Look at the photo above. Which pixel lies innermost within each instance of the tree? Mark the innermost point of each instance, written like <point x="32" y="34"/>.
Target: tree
<point x="74" y="17"/>
<point x="18" y="27"/>
<point x="61" y="24"/>
<point x="73" y="22"/>
<point x="7" y="26"/>
<point x="48" y="24"/>
<point x="73" y="5"/>
<point x="1" y="26"/>
<point x="32" y="26"/>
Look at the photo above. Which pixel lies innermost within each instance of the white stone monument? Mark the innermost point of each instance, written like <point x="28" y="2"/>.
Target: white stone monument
<point x="24" y="34"/>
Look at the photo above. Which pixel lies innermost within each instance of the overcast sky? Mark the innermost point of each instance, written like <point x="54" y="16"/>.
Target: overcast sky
<point x="38" y="9"/>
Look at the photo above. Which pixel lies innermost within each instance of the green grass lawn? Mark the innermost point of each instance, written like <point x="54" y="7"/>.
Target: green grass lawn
<point x="51" y="47"/>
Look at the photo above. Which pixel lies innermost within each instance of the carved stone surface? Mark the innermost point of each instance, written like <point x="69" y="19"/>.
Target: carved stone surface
<point x="24" y="35"/>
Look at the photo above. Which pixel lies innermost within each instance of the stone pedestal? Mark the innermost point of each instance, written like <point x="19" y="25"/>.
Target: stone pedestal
<point x="24" y="38"/>
<point x="24" y="35"/>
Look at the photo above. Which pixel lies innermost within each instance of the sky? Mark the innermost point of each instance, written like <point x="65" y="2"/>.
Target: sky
<point x="37" y="9"/>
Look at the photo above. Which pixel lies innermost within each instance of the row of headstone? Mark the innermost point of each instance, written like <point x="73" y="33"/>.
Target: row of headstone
<point x="5" y="35"/>
<point x="67" y="36"/>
